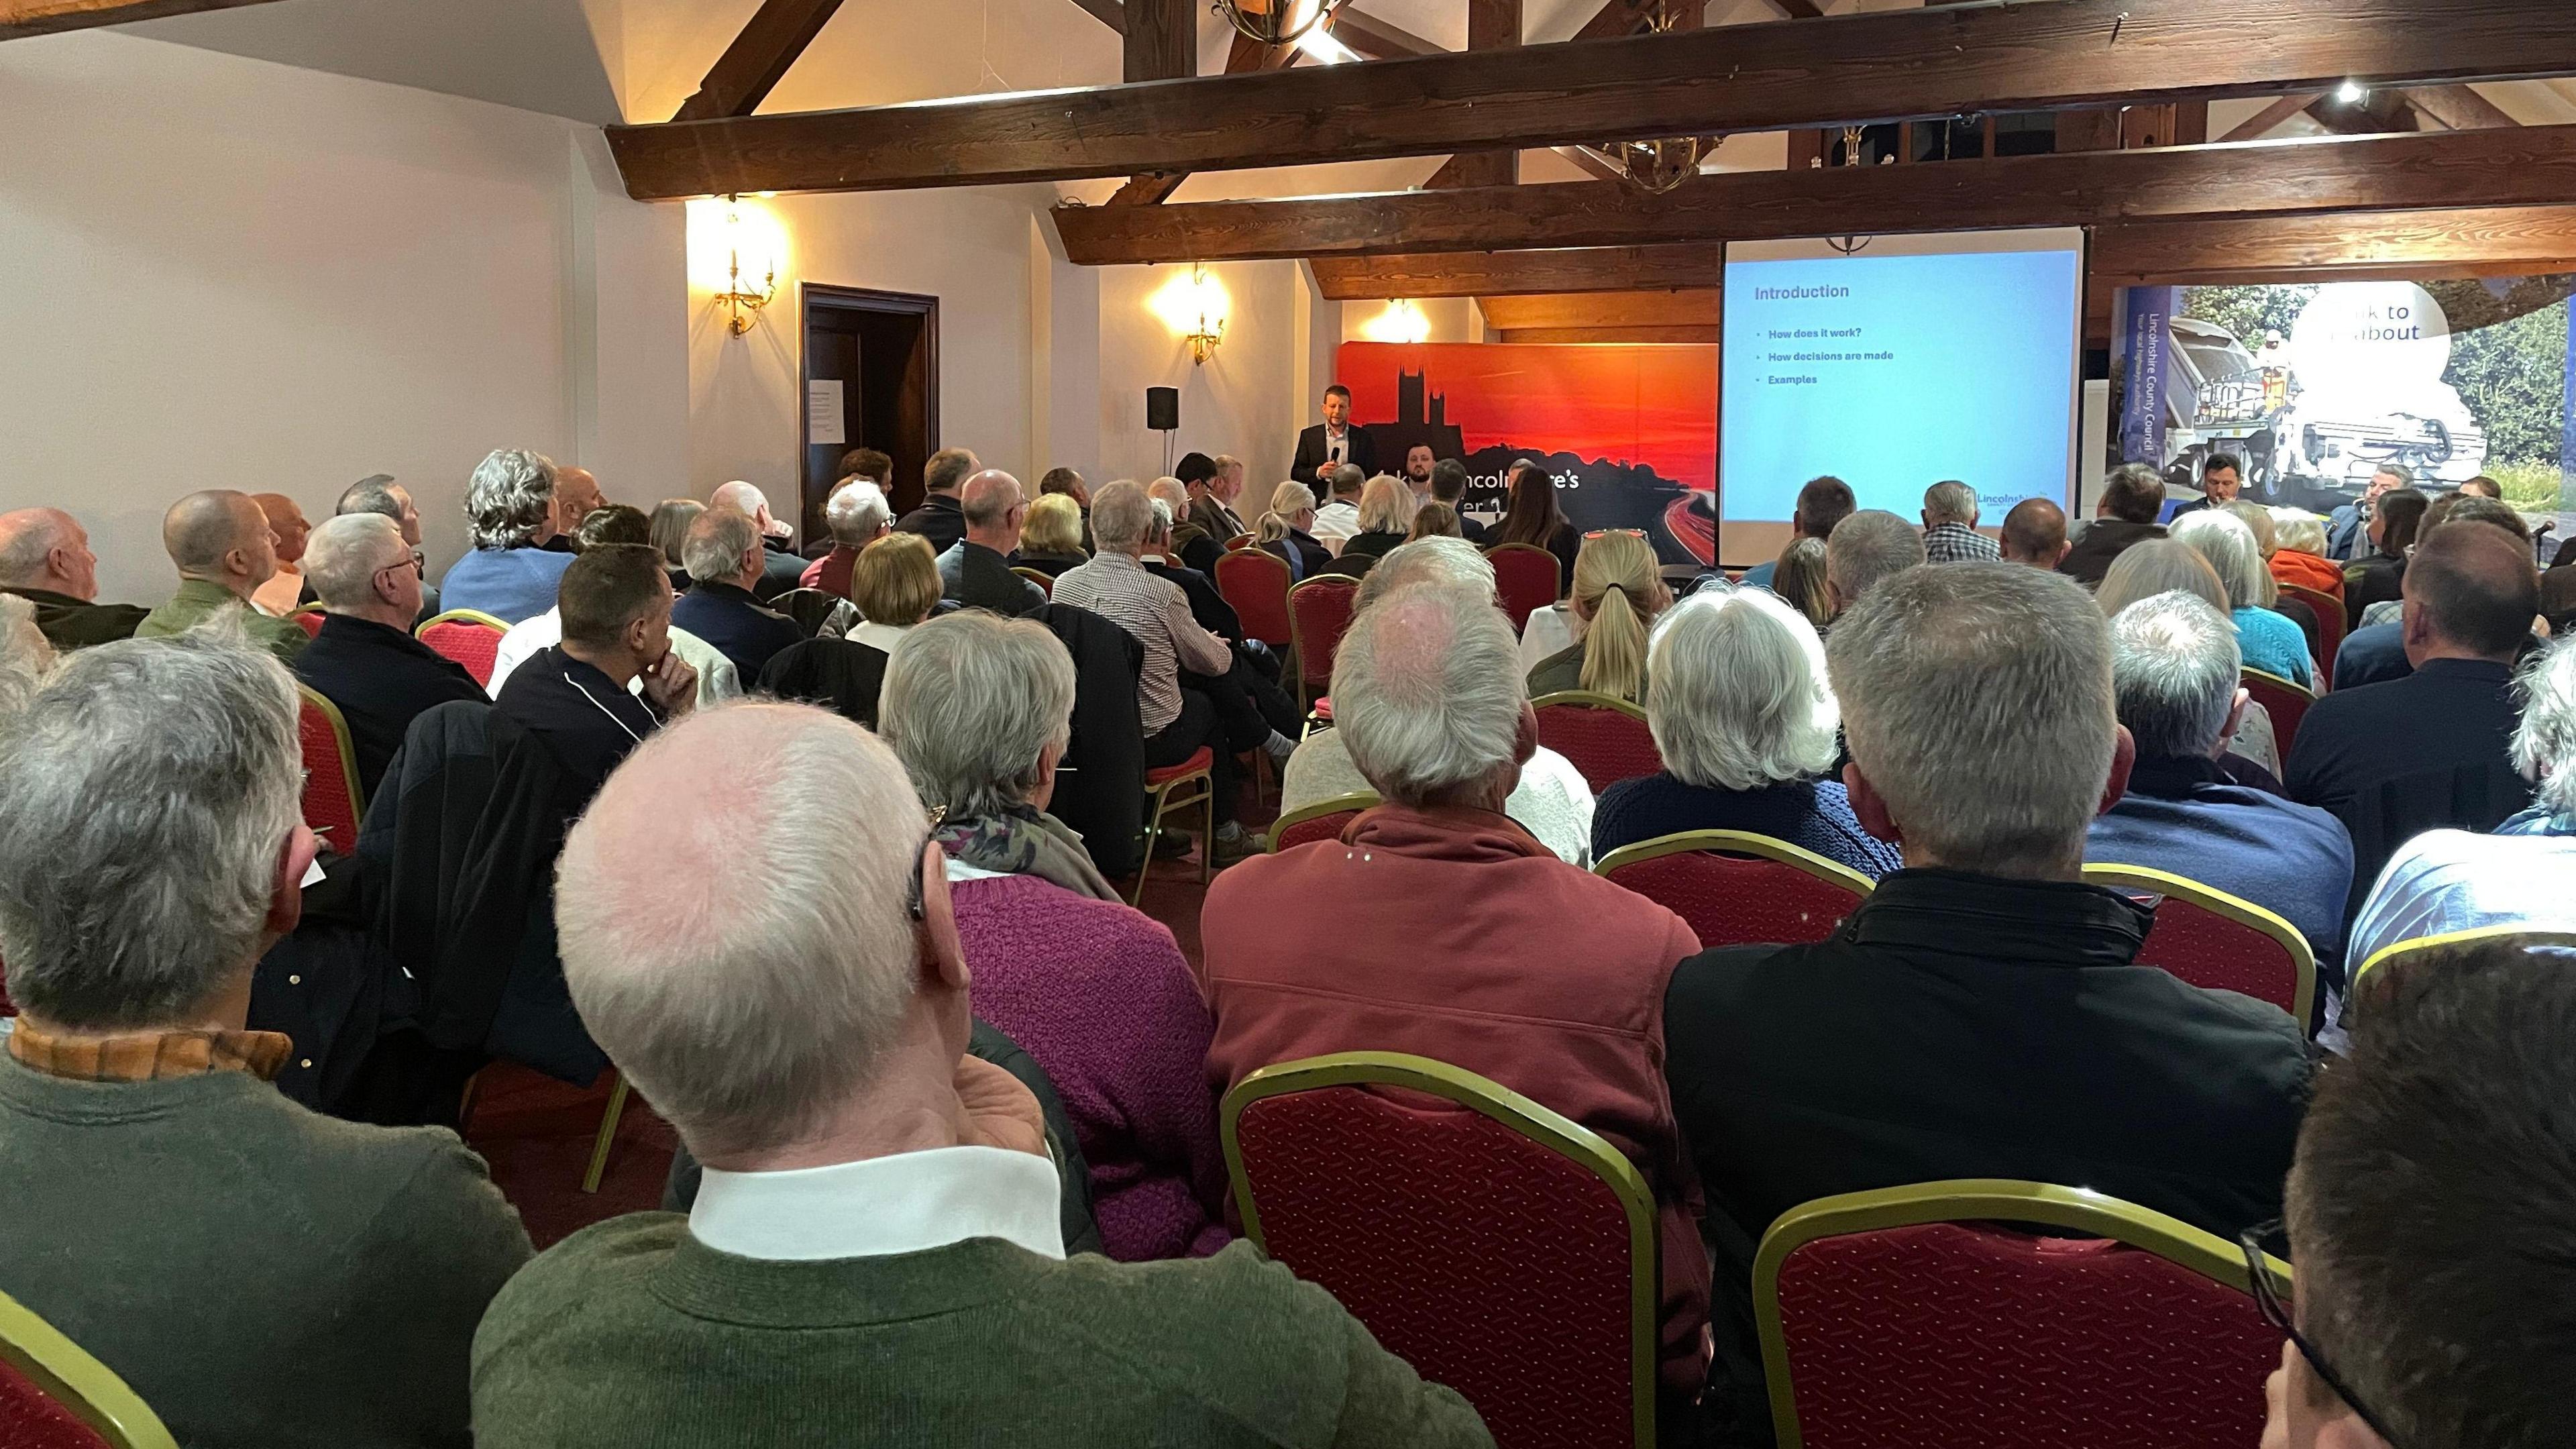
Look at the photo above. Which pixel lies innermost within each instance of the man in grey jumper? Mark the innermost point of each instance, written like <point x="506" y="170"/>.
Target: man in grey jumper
<point x="261" y="1275"/>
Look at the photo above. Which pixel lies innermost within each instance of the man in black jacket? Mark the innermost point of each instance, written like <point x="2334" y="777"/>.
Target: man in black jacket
<point x="574" y="697"/>
<point x="724" y="554"/>
<point x="976" y="569"/>
<point x="1982" y="1013"/>
<point x="941" y="518"/>
<point x="2433" y="749"/>
<point x="1334" y="440"/>
<point x="2133" y="498"/>
<point x="45" y="559"/>
<point x="365" y="660"/>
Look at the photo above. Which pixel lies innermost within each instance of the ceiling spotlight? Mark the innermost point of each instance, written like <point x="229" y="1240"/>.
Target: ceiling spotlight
<point x="2352" y="93"/>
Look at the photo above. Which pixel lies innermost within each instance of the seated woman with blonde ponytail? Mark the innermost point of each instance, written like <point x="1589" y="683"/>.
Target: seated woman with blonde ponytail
<point x="1618" y="591"/>
<point x="1282" y="531"/>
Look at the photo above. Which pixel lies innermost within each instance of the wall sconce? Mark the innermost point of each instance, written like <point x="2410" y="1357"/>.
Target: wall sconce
<point x="1402" y="321"/>
<point x="1194" y="306"/>
<point x="736" y="252"/>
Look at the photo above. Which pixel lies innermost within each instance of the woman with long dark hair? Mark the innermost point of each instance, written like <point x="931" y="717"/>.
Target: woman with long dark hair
<point x="1530" y="515"/>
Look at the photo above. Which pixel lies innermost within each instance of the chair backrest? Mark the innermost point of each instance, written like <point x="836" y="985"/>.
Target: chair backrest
<point x="2284" y="700"/>
<point x="1255" y="582"/>
<point x="2399" y="951"/>
<point x="468" y="636"/>
<point x="55" y="1396"/>
<point x="2330" y="627"/>
<point x="309" y="618"/>
<point x="333" y="801"/>
<point x="1323" y="820"/>
<point x="1909" y="1316"/>
<point x="1040" y="577"/>
<point x="1497" y="1247"/>
<point x="1607" y="738"/>
<point x="810" y="608"/>
<point x="1739" y="889"/>
<point x="2212" y="939"/>
<point x="1526" y="577"/>
<point x="1239" y="542"/>
<point x="1319" y="613"/>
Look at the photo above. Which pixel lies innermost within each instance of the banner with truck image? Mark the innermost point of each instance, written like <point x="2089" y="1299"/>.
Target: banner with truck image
<point x="2315" y="386"/>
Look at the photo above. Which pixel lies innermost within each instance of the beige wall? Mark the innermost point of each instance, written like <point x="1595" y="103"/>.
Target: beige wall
<point x="219" y="272"/>
<point x="1242" y="401"/>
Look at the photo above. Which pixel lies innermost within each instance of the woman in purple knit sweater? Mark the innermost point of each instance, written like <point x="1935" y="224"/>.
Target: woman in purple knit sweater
<point x="979" y="708"/>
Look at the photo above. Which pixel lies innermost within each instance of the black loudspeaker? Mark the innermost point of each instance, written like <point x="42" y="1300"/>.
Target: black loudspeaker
<point x="1163" y="409"/>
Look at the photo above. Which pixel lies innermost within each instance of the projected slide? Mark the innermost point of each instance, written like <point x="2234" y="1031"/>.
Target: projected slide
<point x="1913" y="360"/>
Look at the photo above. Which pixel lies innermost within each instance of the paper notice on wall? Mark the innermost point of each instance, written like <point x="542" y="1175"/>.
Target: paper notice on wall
<point x="823" y="422"/>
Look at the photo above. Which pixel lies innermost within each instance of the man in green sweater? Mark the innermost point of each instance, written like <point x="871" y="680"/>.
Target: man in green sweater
<point x="225" y="550"/>
<point x="261" y="1275"/>
<point x="758" y="931"/>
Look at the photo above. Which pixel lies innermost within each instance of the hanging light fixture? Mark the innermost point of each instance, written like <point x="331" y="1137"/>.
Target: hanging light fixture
<point x="1657" y="166"/>
<point x="1275" y="22"/>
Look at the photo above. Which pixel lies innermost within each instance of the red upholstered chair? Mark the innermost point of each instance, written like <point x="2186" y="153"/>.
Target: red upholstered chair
<point x="1527" y="578"/>
<point x="2330" y="630"/>
<point x="1909" y="1317"/>
<point x="1255" y="582"/>
<point x="1323" y="820"/>
<point x="2212" y="939"/>
<point x="2284" y="701"/>
<point x="1737" y="889"/>
<point x="333" y="801"/>
<point x="1172" y="789"/>
<point x="1319" y="613"/>
<point x="309" y="619"/>
<point x="469" y="637"/>
<point x="55" y="1396"/>
<point x="1497" y="1247"/>
<point x="1606" y="737"/>
<point x="1239" y="541"/>
<point x="1040" y="577"/>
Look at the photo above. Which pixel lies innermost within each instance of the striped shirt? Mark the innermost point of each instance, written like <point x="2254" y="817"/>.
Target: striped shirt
<point x="1117" y="588"/>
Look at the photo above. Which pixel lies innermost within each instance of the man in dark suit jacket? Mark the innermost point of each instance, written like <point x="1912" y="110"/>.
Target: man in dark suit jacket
<point x="1449" y="485"/>
<point x="725" y="556"/>
<point x="45" y="559"/>
<point x="976" y="569"/>
<point x="2222" y="478"/>
<point x="1982" y="1014"/>
<point x="365" y="660"/>
<point x="941" y="518"/>
<point x="2433" y="749"/>
<point x="576" y="697"/>
<point x="2133" y="498"/>
<point x="1334" y="440"/>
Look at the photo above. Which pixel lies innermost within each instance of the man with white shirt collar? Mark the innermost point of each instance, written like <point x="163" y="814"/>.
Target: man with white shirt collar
<point x="876" y="1256"/>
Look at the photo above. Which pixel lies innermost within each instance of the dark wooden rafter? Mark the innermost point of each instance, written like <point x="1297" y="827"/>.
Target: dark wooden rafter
<point x="1674" y="266"/>
<point x="22" y="19"/>
<point x="1491" y="25"/>
<point x="758" y="59"/>
<point x="2528" y="166"/>
<point x="2269" y="119"/>
<point x="2048" y="55"/>
<point x="2458" y="108"/>
<point x="1161" y="39"/>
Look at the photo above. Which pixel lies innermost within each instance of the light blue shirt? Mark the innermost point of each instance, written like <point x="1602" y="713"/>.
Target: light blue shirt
<point x="2453" y="880"/>
<point x="512" y="585"/>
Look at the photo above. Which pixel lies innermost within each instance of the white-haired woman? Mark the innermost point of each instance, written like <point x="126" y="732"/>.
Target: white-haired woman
<point x="979" y="709"/>
<point x="1282" y="530"/>
<point x="1386" y="514"/>
<point x="1747" y="722"/>
<point x="2544" y="744"/>
<point x="2301" y="558"/>
<point x="2272" y="643"/>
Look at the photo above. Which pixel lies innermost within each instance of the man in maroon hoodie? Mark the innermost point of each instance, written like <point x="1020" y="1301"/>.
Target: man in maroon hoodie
<point x="1441" y="928"/>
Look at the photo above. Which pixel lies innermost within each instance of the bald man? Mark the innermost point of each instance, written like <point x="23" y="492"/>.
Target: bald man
<point x="221" y="542"/>
<point x="285" y="588"/>
<point x="781" y="568"/>
<point x="2035" y="534"/>
<point x="45" y="559"/>
<point x="976" y="569"/>
<point x="577" y="496"/>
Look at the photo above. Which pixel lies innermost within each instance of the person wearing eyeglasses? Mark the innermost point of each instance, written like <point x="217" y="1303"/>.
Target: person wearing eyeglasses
<point x="365" y="660"/>
<point x="2429" y="1209"/>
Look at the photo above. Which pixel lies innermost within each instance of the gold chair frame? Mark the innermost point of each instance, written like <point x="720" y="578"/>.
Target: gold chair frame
<point x="2398" y="950"/>
<point x="66" y="1373"/>
<point x="2303" y="958"/>
<point x="348" y="763"/>
<point x="1737" y="842"/>
<point x="1297" y="629"/>
<point x="1361" y="800"/>
<point x="462" y="616"/>
<point x="1163" y="805"/>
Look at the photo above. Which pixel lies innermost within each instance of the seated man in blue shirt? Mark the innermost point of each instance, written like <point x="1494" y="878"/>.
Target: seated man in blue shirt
<point x="2194" y="811"/>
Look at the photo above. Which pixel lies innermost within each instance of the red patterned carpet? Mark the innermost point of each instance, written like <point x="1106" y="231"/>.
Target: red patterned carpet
<point x="537" y="1133"/>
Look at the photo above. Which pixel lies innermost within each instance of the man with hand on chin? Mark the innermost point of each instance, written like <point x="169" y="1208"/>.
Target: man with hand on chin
<point x="581" y="696"/>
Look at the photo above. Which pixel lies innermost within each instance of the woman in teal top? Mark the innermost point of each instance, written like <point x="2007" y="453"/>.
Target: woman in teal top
<point x="2268" y="640"/>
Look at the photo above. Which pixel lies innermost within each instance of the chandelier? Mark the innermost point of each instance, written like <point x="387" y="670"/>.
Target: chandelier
<point x="1274" y="22"/>
<point x="1658" y="166"/>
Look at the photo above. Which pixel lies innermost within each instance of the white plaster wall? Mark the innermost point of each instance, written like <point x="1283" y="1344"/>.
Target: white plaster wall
<point x="1240" y="402"/>
<point x="222" y="272"/>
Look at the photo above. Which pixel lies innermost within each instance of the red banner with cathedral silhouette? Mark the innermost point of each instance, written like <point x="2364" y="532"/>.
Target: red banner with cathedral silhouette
<point x="1629" y="432"/>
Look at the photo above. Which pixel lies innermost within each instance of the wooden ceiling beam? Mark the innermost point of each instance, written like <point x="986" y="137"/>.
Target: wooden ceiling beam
<point x="1673" y="267"/>
<point x="1377" y="39"/>
<point x="758" y="59"/>
<point x="1491" y="25"/>
<point x="22" y="19"/>
<point x="2264" y="122"/>
<point x="2534" y="165"/>
<point x="2459" y="108"/>
<point x="1855" y="68"/>
<point x="1697" y="308"/>
<point x="1799" y="9"/>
